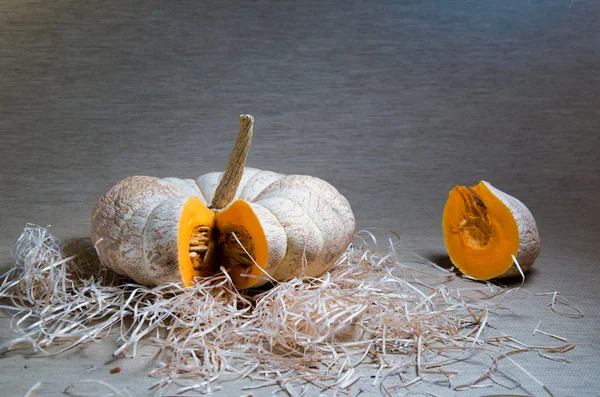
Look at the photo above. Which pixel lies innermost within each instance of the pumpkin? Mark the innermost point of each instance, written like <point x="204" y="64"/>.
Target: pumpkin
<point x="484" y="228"/>
<point x="258" y="225"/>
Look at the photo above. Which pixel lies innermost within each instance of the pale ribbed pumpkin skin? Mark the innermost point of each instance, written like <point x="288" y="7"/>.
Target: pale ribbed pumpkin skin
<point x="529" y="237"/>
<point x="308" y="224"/>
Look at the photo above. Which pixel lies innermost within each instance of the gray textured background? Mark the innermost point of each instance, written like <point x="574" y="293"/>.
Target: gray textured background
<point x="393" y="103"/>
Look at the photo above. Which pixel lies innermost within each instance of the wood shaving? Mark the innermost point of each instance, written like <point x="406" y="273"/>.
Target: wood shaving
<point x="394" y="312"/>
<point x="33" y="390"/>
<point x="113" y="389"/>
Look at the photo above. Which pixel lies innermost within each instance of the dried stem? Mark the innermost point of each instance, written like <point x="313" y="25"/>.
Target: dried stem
<point x="235" y="168"/>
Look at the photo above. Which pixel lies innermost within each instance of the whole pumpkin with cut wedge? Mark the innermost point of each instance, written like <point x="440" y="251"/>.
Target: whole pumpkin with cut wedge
<point x="249" y="221"/>
<point x="485" y="228"/>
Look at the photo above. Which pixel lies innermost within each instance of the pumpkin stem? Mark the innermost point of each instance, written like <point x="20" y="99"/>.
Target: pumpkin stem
<point x="235" y="168"/>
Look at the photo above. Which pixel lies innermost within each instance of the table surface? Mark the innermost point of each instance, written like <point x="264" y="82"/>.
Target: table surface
<point x="392" y="102"/>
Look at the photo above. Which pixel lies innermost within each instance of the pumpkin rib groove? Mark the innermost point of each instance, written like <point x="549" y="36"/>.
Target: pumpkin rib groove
<point x="207" y="184"/>
<point x="312" y="218"/>
<point x="185" y="187"/>
<point x="288" y="242"/>
<point x="301" y="184"/>
<point x="249" y="174"/>
<point x="329" y="221"/>
<point x="263" y="179"/>
<point x="274" y="234"/>
<point x="134" y="196"/>
<point x="296" y="229"/>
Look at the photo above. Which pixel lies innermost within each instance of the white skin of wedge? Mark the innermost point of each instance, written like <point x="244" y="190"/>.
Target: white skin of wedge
<point x="529" y="238"/>
<point x="307" y="222"/>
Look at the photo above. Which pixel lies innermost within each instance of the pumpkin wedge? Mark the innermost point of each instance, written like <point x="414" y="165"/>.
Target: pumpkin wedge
<point x="484" y="228"/>
<point x="249" y="221"/>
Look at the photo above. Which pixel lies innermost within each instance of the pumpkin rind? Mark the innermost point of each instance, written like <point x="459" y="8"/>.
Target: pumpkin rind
<point x="529" y="238"/>
<point x="119" y="219"/>
<point x="328" y="210"/>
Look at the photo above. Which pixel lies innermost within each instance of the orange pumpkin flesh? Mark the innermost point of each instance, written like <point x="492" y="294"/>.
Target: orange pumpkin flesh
<point x="240" y="215"/>
<point x="239" y="218"/>
<point x="480" y="232"/>
<point x="194" y="214"/>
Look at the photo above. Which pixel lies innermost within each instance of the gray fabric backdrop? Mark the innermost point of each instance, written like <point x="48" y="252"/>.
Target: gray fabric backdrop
<point x="392" y="102"/>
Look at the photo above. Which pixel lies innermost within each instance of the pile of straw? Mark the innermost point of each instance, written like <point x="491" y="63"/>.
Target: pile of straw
<point x="393" y="319"/>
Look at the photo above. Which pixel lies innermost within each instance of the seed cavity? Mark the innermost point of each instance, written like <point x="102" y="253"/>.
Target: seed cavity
<point x="476" y="226"/>
<point x="201" y="246"/>
<point x="234" y="254"/>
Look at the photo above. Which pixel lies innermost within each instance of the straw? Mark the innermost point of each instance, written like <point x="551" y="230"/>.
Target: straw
<point x="380" y="311"/>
